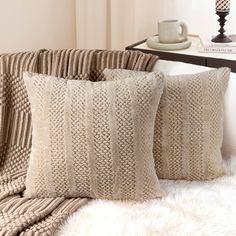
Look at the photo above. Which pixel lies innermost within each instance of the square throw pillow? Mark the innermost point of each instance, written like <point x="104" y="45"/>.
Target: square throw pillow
<point x="93" y="139"/>
<point x="189" y="124"/>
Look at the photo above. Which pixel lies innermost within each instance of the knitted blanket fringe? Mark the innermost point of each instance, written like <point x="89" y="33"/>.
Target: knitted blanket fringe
<point x="18" y="215"/>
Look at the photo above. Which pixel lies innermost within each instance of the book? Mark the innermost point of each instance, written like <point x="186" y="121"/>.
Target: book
<point x="211" y="47"/>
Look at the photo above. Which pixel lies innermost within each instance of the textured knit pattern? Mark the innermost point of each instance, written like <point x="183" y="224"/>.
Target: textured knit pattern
<point x="222" y="5"/>
<point x="189" y="124"/>
<point x="86" y="133"/>
<point x="21" y="216"/>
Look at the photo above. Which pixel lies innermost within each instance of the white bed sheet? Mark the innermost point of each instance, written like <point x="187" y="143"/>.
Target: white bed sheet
<point x="190" y="209"/>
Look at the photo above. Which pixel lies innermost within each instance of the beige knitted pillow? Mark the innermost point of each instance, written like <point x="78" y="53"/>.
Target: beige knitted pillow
<point x="93" y="139"/>
<point x="189" y="124"/>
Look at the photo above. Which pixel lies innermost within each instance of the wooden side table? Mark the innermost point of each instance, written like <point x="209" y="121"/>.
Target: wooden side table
<point x="190" y="55"/>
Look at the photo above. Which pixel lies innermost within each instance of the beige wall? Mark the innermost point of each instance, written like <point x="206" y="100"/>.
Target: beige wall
<point x="112" y="24"/>
<point x="35" y="24"/>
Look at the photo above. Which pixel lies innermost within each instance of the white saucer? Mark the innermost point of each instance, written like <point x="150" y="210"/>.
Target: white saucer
<point x="154" y="43"/>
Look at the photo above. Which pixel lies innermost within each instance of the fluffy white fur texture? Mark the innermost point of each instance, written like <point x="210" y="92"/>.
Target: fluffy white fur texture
<point x="190" y="209"/>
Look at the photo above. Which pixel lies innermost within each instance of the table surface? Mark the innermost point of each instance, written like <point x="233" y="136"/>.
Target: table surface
<point x="194" y="50"/>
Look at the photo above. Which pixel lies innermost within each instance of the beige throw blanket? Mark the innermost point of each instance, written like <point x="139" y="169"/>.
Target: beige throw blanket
<point x="18" y="215"/>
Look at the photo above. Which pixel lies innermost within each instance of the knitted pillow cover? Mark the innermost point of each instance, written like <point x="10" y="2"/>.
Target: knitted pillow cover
<point x="93" y="139"/>
<point x="189" y="124"/>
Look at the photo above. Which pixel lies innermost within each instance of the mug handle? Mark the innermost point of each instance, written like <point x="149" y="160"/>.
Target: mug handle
<point x="184" y="34"/>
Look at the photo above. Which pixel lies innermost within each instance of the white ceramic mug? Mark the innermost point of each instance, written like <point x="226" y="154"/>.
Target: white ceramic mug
<point x="172" y="31"/>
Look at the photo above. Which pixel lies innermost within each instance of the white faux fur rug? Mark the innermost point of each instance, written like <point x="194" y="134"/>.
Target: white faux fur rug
<point x="190" y="209"/>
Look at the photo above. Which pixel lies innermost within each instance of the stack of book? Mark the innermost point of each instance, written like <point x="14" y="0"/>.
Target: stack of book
<point x="210" y="47"/>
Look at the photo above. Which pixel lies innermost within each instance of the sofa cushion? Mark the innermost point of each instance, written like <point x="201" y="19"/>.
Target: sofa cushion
<point x="93" y="139"/>
<point x="229" y="137"/>
<point x="189" y="124"/>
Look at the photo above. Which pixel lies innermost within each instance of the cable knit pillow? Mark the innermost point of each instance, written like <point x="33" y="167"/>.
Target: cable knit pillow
<point x="189" y="124"/>
<point x="93" y="139"/>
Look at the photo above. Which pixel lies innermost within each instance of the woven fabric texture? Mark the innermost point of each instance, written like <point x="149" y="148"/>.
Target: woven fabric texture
<point x="189" y="124"/>
<point x="18" y="215"/>
<point x="93" y="139"/>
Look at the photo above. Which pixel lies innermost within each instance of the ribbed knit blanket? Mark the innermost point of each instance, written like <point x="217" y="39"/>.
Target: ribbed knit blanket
<point x="18" y="215"/>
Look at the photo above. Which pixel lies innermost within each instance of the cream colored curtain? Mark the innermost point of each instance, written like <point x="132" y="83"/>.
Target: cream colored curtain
<point x="105" y="23"/>
<point x="114" y="24"/>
